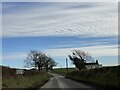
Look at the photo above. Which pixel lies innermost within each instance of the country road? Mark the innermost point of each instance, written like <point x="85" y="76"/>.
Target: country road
<point x="58" y="81"/>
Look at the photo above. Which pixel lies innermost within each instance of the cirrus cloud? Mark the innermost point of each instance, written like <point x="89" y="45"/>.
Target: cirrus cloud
<point x="64" y="19"/>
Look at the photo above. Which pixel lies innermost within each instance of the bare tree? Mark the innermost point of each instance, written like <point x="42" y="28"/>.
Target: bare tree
<point x="35" y="59"/>
<point x="31" y="59"/>
<point x="42" y="58"/>
<point x="46" y="64"/>
<point x="85" y="56"/>
<point x="52" y="63"/>
<point x="38" y="59"/>
<point x="79" y="58"/>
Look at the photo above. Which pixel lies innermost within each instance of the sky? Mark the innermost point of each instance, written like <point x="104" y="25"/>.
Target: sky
<point x="60" y="0"/>
<point x="57" y="28"/>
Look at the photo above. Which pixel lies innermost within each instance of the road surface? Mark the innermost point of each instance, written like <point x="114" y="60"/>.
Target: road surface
<point x="58" y="81"/>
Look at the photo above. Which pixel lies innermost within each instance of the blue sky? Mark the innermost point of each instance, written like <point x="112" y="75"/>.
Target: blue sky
<point x="57" y="29"/>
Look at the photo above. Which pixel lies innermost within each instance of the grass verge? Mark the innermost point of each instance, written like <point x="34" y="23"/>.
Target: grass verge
<point x="105" y="78"/>
<point x="35" y="81"/>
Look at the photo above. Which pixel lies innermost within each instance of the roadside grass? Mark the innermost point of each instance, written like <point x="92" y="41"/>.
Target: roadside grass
<point x="35" y="81"/>
<point x="102" y="77"/>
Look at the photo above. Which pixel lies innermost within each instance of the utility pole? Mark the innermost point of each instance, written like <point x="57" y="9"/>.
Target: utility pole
<point x="67" y="64"/>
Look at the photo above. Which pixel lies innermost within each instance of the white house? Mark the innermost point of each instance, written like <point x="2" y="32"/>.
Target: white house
<point x="93" y="65"/>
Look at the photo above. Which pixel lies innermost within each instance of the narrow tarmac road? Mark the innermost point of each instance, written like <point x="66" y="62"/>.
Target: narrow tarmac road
<point x="58" y="81"/>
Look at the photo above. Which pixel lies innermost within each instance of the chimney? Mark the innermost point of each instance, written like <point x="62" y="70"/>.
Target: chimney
<point x="96" y="61"/>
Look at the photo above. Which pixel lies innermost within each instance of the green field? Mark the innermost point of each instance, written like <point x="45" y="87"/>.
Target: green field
<point x="62" y="71"/>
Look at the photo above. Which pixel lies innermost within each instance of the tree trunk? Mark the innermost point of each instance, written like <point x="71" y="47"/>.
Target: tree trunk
<point x="51" y="68"/>
<point x="38" y="68"/>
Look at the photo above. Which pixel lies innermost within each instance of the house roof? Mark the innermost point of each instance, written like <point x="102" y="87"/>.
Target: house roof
<point x="91" y="63"/>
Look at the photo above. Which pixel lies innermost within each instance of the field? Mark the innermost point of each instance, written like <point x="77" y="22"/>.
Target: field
<point x="106" y="77"/>
<point x="62" y="71"/>
<point x="31" y="79"/>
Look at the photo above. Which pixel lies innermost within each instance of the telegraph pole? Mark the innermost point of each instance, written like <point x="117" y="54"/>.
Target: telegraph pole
<point x="67" y="64"/>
